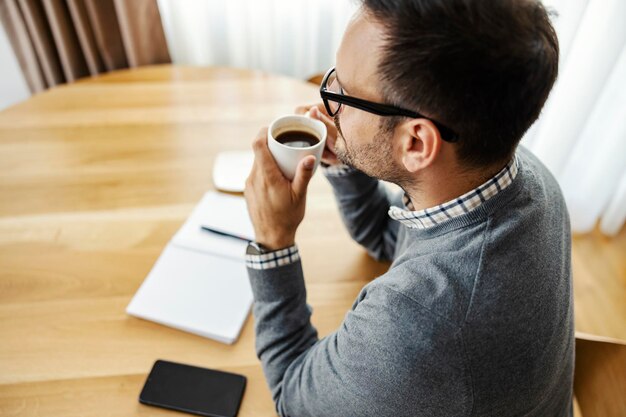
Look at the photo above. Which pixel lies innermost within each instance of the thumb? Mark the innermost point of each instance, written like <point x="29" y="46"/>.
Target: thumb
<point x="304" y="173"/>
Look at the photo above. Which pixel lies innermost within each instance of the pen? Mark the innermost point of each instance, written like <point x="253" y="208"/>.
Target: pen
<point x="219" y="232"/>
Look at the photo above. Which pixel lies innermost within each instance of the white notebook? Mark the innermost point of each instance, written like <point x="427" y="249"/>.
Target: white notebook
<point x="200" y="284"/>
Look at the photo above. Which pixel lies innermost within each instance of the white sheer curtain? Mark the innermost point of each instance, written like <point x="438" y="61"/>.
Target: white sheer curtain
<point x="292" y="37"/>
<point x="580" y="136"/>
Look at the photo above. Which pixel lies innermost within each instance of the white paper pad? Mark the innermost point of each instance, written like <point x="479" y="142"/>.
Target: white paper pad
<point x="200" y="283"/>
<point x="195" y="292"/>
<point x="219" y="211"/>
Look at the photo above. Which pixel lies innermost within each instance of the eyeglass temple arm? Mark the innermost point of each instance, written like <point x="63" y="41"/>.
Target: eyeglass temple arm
<point x="386" y="110"/>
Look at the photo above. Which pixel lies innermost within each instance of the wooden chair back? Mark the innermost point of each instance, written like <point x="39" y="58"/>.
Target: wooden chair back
<point x="600" y="376"/>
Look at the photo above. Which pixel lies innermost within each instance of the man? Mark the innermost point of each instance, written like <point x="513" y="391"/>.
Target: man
<point x="475" y="315"/>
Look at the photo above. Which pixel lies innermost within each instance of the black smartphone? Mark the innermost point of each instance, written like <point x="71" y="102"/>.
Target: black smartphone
<point x="195" y="390"/>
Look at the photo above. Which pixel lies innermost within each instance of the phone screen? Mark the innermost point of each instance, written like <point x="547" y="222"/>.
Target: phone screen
<point x="195" y="390"/>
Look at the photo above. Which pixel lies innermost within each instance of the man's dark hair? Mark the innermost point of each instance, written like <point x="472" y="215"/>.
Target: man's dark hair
<point x="482" y="67"/>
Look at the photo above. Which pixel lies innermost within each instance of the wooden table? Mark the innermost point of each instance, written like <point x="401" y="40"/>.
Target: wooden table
<point x="95" y="178"/>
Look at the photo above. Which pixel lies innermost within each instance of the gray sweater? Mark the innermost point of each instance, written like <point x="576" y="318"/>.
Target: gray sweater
<point x="473" y="318"/>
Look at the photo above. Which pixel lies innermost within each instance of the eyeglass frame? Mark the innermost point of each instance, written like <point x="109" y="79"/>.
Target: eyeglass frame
<point x="379" y="109"/>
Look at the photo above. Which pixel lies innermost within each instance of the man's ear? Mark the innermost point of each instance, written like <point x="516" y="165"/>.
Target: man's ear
<point x="420" y="142"/>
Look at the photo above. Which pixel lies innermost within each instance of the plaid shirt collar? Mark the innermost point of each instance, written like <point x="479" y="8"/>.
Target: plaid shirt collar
<point x="429" y="217"/>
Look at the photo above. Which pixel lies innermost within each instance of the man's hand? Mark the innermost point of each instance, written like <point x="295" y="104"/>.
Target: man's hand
<point x="275" y="204"/>
<point x="318" y="112"/>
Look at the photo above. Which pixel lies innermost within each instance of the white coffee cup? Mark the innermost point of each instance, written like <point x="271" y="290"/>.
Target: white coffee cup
<point x="287" y="157"/>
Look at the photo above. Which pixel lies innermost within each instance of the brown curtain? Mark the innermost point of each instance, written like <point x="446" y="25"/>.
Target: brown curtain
<point x="58" y="41"/>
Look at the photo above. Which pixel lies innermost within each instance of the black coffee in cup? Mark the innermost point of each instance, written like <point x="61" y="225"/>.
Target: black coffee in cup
<point x="297" y="139"/>
<point x="293" y="137"/>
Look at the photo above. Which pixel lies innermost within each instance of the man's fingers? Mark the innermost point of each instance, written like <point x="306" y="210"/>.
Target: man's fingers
<point x="329" y="149"/>
<point x="263" y="158"/>
<point x="304" y="172"/>
<point x="322" y="110"/>
<point x="324" y="118"/>
<point x="329" y="157"/>
<point x="251" y="174"/>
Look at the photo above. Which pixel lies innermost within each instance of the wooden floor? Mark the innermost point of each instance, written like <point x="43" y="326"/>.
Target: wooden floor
<point x="599" y="264"/>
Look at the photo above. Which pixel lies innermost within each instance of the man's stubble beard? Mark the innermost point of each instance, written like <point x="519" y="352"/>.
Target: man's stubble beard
<point x="374" y="158"/>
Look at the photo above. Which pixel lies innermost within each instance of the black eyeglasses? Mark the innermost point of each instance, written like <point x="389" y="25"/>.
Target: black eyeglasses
<point x="334" y="99"/>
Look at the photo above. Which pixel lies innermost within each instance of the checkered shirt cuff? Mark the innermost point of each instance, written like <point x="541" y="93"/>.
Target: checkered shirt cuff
<point x="337" y="170"/>
<point x="273" y="259"/>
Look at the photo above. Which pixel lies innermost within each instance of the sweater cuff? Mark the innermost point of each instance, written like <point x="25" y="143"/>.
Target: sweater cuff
<point x="280" y="283"/>
<point x="273" y="259"/>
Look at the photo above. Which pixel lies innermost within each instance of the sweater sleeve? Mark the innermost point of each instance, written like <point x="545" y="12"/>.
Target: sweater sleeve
<point x="364" y="204"/>
<point x="389" y="357"/>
